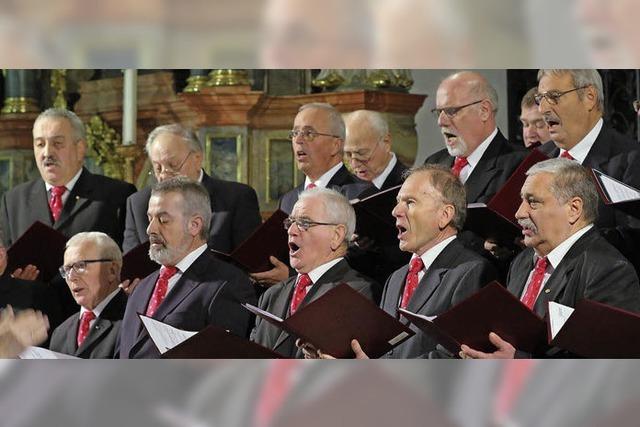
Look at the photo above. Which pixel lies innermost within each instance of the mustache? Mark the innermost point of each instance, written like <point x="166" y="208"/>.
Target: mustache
<point x="50" y="161"/>
<point x="527" y="224"/>
<point x="156" y="239"/>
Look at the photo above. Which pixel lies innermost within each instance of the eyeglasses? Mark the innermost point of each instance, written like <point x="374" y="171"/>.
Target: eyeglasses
<point x="361" y="155"/>
<point x="636" y="105"/>
<point x="302" y="223"/>
<point x="553" y="96"/>
<point x="308" y="135"/>
<point x="169" y="171"/>
<point x="452" y="111"/>
<point x="79" y="267"/>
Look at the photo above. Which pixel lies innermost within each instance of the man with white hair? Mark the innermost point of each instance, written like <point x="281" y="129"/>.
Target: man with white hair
<point x="319" y="229"/>
<point x="566" y="259"/>
<point x="92" y="264"/>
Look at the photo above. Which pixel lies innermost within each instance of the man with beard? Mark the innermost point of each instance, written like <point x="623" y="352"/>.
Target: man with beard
<point x="193" y="289"/>
<point x="534" y="129"/>
<point x="572" y="104"/>
<point x="566" y="259"/>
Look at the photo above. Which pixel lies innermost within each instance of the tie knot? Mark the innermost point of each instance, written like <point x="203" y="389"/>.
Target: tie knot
<point x="566" y="155"/>
<point x="88" y="316"/>
<point x="167" y="272"/>
<point x="416" y="265"/>
<point x="310" y="186"/>
<point x="304" y="280"/>
<point x="58" y="190"/>
<point x="541" y="264"/>
<point x="460" y="162"/>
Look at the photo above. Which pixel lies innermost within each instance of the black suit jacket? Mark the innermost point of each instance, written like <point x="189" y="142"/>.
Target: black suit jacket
<point x="619" y="157"/>
<point x="395" y="176"/>
<point x="455" y="274"/>
<point x="342" y="181"/>
<point x="96" y="203"/>
<point x="101" y="341"/>
<point x="276" y="300"/>
<point x="494" y="168"/>
<point x="210" y="292"/>
<point x="24" y="294"/>
<point x="236" y="215"/>
<point x="591" y="269"/>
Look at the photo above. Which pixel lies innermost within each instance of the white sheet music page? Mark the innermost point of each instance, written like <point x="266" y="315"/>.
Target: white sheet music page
<point x="558" y="315"/>
<point x="164" y="336"/>
<point x="43" y="353"/>
<point x="617" y="191"/>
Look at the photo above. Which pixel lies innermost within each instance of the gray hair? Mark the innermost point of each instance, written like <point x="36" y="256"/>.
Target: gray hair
<point x="373" y="119"/>
<point x="195" y="198"/>
<point x="579" y="78"/>
<point x="337" y="208"/>
<point x="187" y="135"/>
<point x="570" y="179"/>
<point x="451" y="190"/>
<point x="107" y="247"/>
<point x="79" y="131"/>
<point x="335" y="118"/>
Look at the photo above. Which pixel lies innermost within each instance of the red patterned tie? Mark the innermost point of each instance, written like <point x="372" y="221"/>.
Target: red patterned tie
<point x="300" y="292"/>
<point x="83" y="329"/>
<point x="275" y="389"/>
<point x="310" y="186"/>
<point x="566" y="155"/>
<point x="533" y="289"/>
<point x="515" y="375"/>
<point x="55" y="202"/>
<point x="459" y="164"/>
<point x="411" y="283"/>
<point x="160" y="291"/>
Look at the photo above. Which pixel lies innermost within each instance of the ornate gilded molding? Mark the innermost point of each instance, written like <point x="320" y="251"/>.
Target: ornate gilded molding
<point x="228" y="77"/>
<point x="59" y="84"/>
<point x="20" y="105"/>
<point x="196" y="83"/>
<point x="104" y="145"/>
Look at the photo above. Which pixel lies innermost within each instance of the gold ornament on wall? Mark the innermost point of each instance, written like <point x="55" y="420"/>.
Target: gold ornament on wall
<point x="59" y="84"/>
<point x="104" y="145"/>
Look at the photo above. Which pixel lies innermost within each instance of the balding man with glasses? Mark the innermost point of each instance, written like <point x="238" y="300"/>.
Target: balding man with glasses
<point x="175" y="150"/>
<point x="319" y="230"/>
<point x="92" y="264"/>
<point x="572" y="104"/>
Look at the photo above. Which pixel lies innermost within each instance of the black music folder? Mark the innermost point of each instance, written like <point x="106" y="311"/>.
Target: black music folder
<point x="41" y="246"/>
<point x="373" y="216"/>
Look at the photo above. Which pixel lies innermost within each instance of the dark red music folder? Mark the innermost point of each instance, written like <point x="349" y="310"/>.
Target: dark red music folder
<point x="213" y="342"/>
<point x="617" y="194"/>
<point x="491" y="309"/>
<point x="373" y="216"/>
<point x="269" y="239"/>
<point x="597" y="330"/>
<point x="333" y="320"/>
<point x="136" y="263"/>
<point x="496" y="220"/>
<point x="41" y="246"/>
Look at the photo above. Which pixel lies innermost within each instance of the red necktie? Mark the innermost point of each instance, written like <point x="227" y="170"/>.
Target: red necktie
<point x="533" y="289"/>
<point x="515" y="374"/>
<point x="300" y="292"/>
<point x="160" y="291"/>
<point x="276" y="387"/>
<point x="566" y="155"/>
<point x="411" y="283"/>
<point x="310" y="186"/>
<point x="83" y="329"/>
<point x="459" y="164"/>
<point x="55" y="202"/>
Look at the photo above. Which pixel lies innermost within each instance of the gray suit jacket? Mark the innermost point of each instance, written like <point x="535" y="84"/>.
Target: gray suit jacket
<point x="210" y="292"/>
<point x="454" y="275"/>
<point x="276" y="300"/>
<point x="236" y="215"/>
<point x="101" y="341"/>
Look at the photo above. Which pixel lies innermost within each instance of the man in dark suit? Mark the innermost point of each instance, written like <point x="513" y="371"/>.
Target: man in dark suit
<point x="476" y="151"/>
<point x="193" y="289"/>
<point x="319" y="229"/>
<point x="92" y="263"/>
<point x="367" y="149"/>
<point x="572" y="103"/>
<point x="175" y="150"/>
<point x="566" y="259"/>
<point x="317" y="141"/>
<point x="67" y="196"/>
<point x="535" y="131"/>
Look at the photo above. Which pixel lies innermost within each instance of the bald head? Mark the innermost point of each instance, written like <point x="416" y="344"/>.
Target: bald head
<point x="367" y="147"/>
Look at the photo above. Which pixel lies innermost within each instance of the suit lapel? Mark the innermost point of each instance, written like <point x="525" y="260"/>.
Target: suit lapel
<point x="485" y="170"/>
<point x="39" y="202"/>
<point x="143" y="302"/>
<point x="282" y="309"/>
<point x="393" y="294"/>
<point x="99" y="329"/>
<point x="77" y="200"/>
<point x="71" y="338"/>
<point x="518" y="277"/>
<point x="600" y="152"/>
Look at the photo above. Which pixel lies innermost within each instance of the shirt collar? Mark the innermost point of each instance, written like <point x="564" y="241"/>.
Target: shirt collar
<point x="100" y="307"/>
<point x="582" y="148"/>
<point x="69" y="185"/>
<point x="201" y="177"/>
<point x="186" y="262"/>
<point x="475" y="157"/>
<point x="380" y="179"/>
<point x="319" y="271"/>
<point x="556" y="255"/>
<point x="325" y="178"/>
<point x="430" y="256"/>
